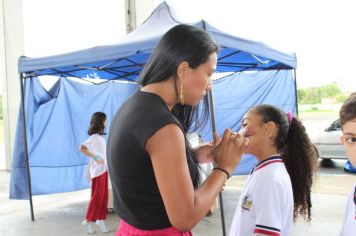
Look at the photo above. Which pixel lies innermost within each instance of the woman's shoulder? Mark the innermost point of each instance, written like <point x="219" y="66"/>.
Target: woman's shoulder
<point x="144" y="105"/>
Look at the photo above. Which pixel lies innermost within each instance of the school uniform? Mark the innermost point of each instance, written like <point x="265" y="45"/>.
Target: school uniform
<point x="97" y="208"/>
<point x="349" y="225"/>
<point x="266" y="202"/>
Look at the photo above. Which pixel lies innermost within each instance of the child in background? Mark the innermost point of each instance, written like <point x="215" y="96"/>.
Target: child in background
<point x="95" y="149"/>
<point x="348" y="139"/>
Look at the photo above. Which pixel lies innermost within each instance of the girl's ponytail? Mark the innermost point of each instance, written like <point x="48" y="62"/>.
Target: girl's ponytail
<point x="299" y="158"/>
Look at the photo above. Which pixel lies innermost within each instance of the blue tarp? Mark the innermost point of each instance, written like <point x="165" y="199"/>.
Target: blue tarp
<point x="57" y="123"/>
<point x="236" y="94"/>
<point x="57" y="119"/>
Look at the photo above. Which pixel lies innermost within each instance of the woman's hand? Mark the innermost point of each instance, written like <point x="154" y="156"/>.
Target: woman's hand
<point x="228" y="152"/>
<point x="205" y="152"/>
<point x="83" y="147"/>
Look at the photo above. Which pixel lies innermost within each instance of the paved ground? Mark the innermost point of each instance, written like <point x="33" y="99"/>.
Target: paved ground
<point x="61" y="214"/>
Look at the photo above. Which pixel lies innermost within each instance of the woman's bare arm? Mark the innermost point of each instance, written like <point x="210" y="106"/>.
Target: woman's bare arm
<point x="185" y="207"/>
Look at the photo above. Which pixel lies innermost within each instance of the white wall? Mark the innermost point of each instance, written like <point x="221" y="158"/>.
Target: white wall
<point x="12" y="47"/>
<point x="2" y="46"/>
<point x="38" y="28"/>
<point x="58" y="26"/>
<point x="144" y="8"/>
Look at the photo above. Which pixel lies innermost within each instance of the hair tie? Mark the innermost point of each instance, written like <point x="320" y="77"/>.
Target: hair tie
<point x="290" y="116"/>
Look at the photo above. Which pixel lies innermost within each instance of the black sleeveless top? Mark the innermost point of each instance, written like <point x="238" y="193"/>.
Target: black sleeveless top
<point x="136" y="197"/>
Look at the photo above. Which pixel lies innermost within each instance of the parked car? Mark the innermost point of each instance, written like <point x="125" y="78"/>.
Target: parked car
<point x="328" y="146"/>
<point x="327" y="142"/>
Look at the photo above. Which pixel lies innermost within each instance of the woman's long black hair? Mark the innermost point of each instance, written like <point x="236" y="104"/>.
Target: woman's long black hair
<point x="297" y="153"/>
<point x="181" y="43"/>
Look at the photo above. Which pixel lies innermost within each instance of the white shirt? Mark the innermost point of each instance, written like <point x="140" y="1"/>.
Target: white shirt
<point x="266" y="203"/>
<point x="349" y="226"/>
<point x="97" y="145"/>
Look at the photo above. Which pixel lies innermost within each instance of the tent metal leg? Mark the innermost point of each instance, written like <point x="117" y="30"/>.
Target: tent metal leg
<point x="25" y="146"/>
<point x="296" y="92"/>
<point x="213" y="126"/>
<point x="211" y="103"/>
<point x="222" y="213"/>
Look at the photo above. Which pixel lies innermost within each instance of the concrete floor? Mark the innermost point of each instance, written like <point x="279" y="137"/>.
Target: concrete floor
<point x="62" y="214"/>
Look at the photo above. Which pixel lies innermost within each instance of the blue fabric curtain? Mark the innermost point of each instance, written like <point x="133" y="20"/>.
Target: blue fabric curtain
<point x="236" y="94"/>
<point x="57" y="122"/>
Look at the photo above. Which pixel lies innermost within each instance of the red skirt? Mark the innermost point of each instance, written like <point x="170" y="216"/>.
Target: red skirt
<point x="98" y="205"/>
<point x="126" y="229"/>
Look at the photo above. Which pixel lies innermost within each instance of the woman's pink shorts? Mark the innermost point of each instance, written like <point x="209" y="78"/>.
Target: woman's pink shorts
<point x="125" y="229"/>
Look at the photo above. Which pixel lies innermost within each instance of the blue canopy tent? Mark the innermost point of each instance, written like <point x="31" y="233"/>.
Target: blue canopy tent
<point x="46" y="115"/>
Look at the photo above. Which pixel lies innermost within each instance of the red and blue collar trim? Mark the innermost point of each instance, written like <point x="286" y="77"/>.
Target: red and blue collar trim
<point x="266" y="230"/>
<point x="268" y="161"/>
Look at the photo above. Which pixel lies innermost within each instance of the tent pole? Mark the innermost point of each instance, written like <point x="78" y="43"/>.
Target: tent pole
<point x="25" y="146"/>
<point x="213" y="126"/>
<point x="296" y="91"/>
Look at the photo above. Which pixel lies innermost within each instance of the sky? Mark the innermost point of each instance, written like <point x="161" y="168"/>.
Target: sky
<point x="320" y="32"/>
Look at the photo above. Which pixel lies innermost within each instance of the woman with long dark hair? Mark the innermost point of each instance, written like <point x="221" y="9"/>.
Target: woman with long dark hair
<point x="153" y="169"/>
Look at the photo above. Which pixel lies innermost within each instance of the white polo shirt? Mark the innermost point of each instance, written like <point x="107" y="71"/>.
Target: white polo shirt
<point x="349" y="226"/>
<point x="96" y="144"/>
<point x="266" y="203"/>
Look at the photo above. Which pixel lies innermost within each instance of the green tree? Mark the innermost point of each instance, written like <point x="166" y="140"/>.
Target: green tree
<point x="314" y="95"/>
<point x="1" y="116"/>
<point x="301" y="95"/>
<point x="309" y="96"/>
<point x="340" y="98"/>
<point x="330" y="90"/>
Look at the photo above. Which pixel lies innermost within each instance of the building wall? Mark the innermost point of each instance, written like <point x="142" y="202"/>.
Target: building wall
<point x="11" y="48"/>
<point x="137" y="11"/>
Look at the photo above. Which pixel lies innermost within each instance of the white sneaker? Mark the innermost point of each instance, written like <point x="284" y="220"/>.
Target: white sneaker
<point x="88" y="227"/>
<point x="102" y="226"/>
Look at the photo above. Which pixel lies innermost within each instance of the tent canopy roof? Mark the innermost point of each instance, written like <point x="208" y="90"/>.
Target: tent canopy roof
<point x="126" y="59"/>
